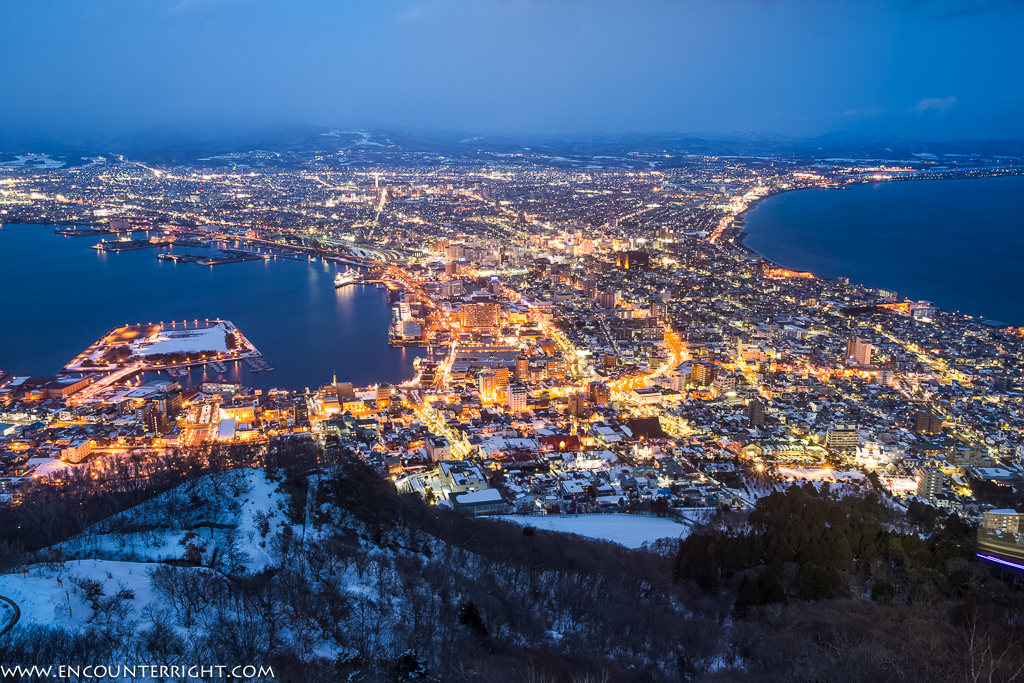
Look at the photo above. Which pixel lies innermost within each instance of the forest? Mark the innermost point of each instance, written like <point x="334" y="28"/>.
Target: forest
<point x="364" y="584"/>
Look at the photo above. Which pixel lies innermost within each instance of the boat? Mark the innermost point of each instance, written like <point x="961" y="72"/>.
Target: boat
<point x="346" y="277"/>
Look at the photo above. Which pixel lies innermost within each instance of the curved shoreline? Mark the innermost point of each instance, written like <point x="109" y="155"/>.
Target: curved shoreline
<point x="739" y="235"/>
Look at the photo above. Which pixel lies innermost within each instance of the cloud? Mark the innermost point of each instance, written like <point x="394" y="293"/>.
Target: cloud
<point x="939" y="104"/>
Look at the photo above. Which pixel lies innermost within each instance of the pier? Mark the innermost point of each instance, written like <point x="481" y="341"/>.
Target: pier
<point x="128" y="245"/>
<point x="258" y="364"/>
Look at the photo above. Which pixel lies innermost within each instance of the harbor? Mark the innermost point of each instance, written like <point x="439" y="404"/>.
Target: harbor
<point x="283" y="303"/>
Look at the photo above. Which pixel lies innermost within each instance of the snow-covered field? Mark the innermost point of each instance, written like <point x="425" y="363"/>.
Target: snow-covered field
<point x="211" y="339"/>
<point x="631" y="531"/>
<point x="819" y="474"/>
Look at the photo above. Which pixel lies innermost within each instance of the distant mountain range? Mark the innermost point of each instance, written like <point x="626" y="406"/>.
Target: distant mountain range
<point x="184" y="143"/>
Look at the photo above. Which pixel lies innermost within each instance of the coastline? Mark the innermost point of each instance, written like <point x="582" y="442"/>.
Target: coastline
<point x="272" y="303"/>
<point x="736" y="234"/>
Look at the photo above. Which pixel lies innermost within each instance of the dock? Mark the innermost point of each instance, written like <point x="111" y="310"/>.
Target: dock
<point x="258" y="364"/>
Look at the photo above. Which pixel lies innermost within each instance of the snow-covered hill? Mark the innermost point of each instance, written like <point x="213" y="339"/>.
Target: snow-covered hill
<point x="228" y="518"/>
<point x="334" y="573"/>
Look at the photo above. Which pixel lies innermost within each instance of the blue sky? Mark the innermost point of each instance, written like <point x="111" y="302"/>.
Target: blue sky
<point x="913" y="68"/>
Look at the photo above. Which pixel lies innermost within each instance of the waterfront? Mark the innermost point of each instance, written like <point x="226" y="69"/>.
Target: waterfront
<point x="63" y="296"/>
<point x="957" y="243"/>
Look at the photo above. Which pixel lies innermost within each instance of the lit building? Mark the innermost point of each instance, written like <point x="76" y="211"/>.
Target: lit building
<point x="1002" y="520"/>
<point x="632" y="260"/>
<point x="76" y="451"/>
<point x="516" y="398"/>
<point x="702" y="374"/>
<point x="926" y="423"/>
<point x="383" y="395"/>
<point x="522" y="367"/>
<point x="929" y="482"/>
<point x="859" y="350"/>
<point x="599" y="393"/>
<point x="555" y="368"/>
<point x="724" y="383"/>
<point x="480" y="315"/>
<point x="488" y="385"/>
<point x="438" y="449"/>
<point x="843" y="438"/>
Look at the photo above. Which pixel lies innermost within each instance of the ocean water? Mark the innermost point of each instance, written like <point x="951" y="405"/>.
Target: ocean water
<point x="957" y="243"/>
<point x="59" y="296"/>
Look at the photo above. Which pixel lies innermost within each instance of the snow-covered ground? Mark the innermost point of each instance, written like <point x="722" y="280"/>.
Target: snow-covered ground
<point x="46" y="602"/>
<point x="210" y="339"/>
<point x="43" y="601"/>
<point x="631" y="531"/>
<point x="819" y="474"/>
<point x="32" y="160"/>
<point x="242" y="509"/>
<point x="231" y="517"/>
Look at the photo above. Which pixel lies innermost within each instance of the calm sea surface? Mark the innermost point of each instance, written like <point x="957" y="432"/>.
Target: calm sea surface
<point x="957" y="243"/>
<point x="59" y="296"/>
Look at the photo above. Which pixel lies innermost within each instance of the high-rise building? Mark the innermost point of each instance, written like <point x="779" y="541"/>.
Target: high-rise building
<point x="522" y="367"/>
<point x="702" y="374"/>
<point x="926" y="423"/>
<point x="608" y="298"/>
<point x="577" y="405"/>
<point x="755" y="411"/>
<point x="929" y="482"/>
<point x="501" y="377"/>
<point x="301" y="412"/>
<point x="859" y="350"/>
<point x="488" y="385"/>
<point x="143" y="413"/>
<point x="599" y="393"/>
<point x="884" y="377"/>
<point x="516" y="398"/>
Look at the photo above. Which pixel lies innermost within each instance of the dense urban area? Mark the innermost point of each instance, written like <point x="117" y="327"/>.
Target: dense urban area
<point x="601" y="352"/>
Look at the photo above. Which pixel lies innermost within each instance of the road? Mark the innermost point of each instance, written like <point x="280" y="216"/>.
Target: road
<point x="14" y="619"/>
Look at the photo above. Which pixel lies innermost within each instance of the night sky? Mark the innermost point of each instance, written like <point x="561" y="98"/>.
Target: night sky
<point x="912" y="68"/>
